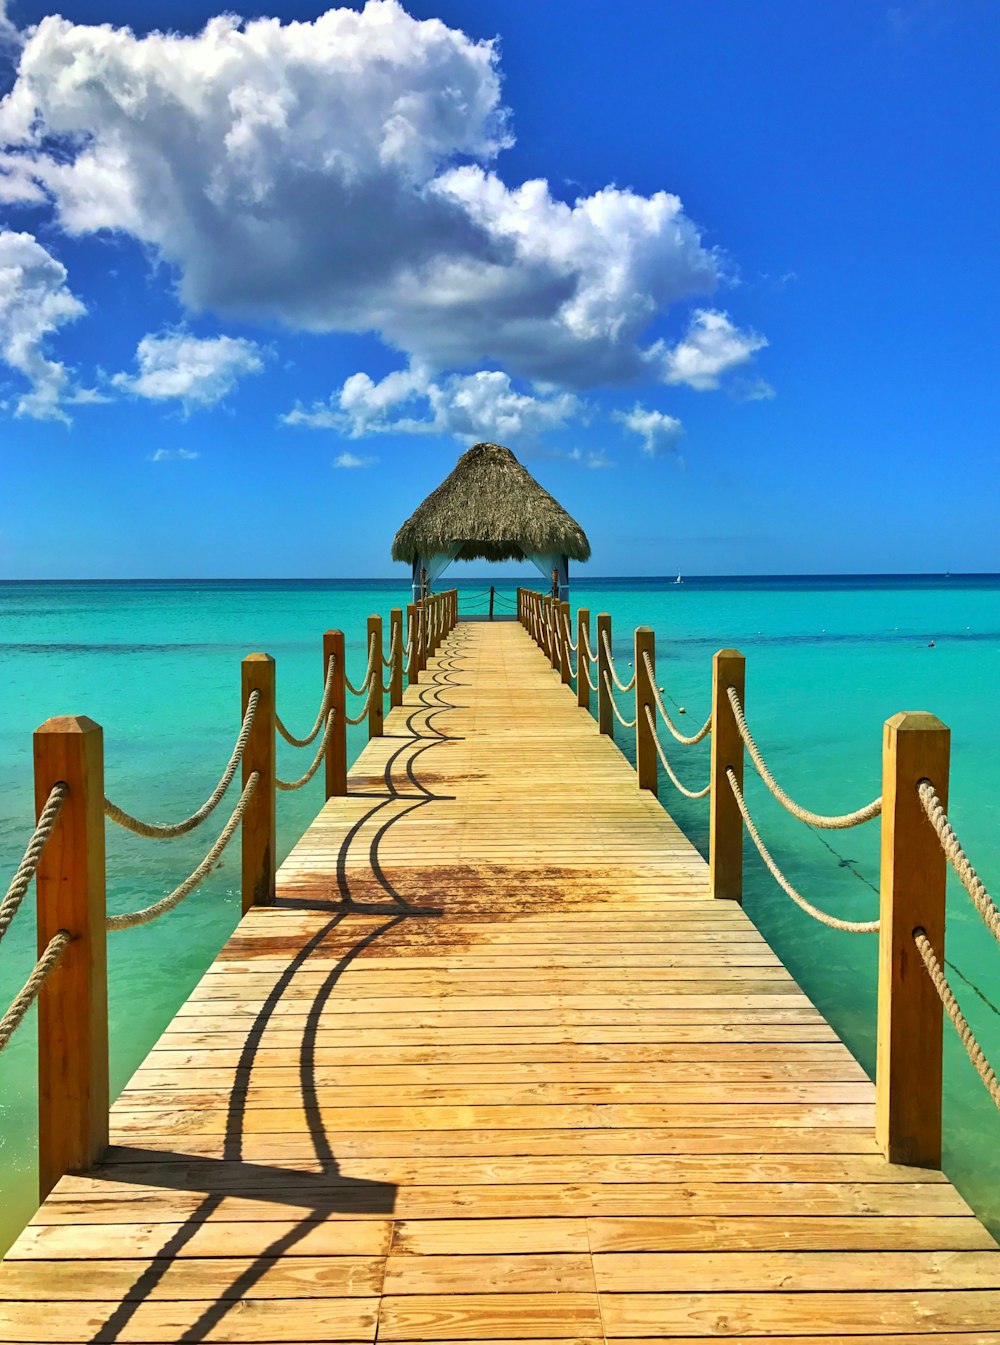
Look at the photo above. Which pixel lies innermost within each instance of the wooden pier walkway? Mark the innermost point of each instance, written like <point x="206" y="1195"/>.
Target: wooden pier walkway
<point x="496" y="1068"/>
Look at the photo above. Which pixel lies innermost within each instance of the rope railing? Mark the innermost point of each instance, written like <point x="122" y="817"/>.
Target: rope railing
<point x="366" y="706"/>
<point x="567" y="636"/>
<point x="142" y="917"/>
<point x="958" y="859"/>
<point x="164" y="831"/>
<point x="369" y="672"/>
<point x="321" y="717"/>
<point x="393" y="648"/>
<point x="29" y="992"/>
<point x="622" y="686"/>
<point x="625" y="723"/>
<point x="688" y="793"/>
<point x="946" y="995"/>
<point x="21" y="880"/>
<point x="591" y="656"/>
<point x="687" y="740"/>
<point x="834" y="922"/>
<point x="834" y="823"/>
<point x="289" y="785"/>
<point x="586" y="672"/>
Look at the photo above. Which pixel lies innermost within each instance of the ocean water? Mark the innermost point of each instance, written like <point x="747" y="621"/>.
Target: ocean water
<point x="828" y="660"/>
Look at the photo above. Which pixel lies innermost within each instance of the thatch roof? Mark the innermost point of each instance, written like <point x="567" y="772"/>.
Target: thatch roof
<point x="495" y="509"/>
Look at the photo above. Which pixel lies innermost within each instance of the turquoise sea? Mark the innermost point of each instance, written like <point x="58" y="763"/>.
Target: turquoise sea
<point x="828" y="660"/>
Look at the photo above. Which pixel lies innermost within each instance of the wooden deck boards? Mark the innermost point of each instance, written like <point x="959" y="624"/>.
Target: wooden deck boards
<point x="496" y="1069"/>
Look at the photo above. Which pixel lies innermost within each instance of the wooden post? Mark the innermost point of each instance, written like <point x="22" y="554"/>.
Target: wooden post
<point x="555" y="584"/>
<point x="396" y="648"/>
<point x="421" y="636"/>
<point x="375" y="702"/>
<point x="336" y="744"/>
<point x="73" y="1096"/>
<point x="582" y="662"/>
<point x="908" y="1071"/>
<point x="413" y="628"/>
<point x="725" y="850"/>
<point x="259" y="820"/>
<point x="555" y="642"/>
<point x="565" y="653"/>
<point x="645" y="748"/>
<point x="492" y="594"/>
<point x="605" y="714"/>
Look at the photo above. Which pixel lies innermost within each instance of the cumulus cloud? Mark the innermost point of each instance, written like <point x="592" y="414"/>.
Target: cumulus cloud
<point x="711" y="347"/>
<point x="658" y="431"/>
<point x="173" y="455"/>
<point x="35" y="302"/>
<point x="483" y="405"/>
<point x="594" y="458"/>
<point x="337" y="174"/>
<point x="352" y="460"/>
<point x="9" y="36"/>
<point x="196" y="371"/>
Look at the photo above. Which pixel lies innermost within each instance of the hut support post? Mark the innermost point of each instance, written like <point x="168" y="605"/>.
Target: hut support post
<point x="910" y="1017"/>
<point x="582" y="658"/>
<point x="645" y="709"/>
<point x="725" y="858"/>
<point x="605" y="714"/>
<point x="73" y="1097"/>
<point x="336" y="744"/>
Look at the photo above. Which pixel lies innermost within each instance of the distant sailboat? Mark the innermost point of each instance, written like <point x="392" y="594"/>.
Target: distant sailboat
<point x="678" y="580"/>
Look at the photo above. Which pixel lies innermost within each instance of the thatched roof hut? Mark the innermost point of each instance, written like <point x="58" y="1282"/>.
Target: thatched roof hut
<point x="490" y="508"/>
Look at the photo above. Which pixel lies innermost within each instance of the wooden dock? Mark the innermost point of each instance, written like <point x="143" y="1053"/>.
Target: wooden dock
<point x="495" y="1067"/>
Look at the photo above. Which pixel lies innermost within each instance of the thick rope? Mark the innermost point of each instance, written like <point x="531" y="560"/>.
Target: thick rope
<point x="705" y="729"/>
<point x="28" y="993"/>
<point x="369" y="672"/>
<point x="625" y="723"/>
<point x="688" y="793"/>
<point x="972" y="1047"/>
<point x="586" y="672"/>
<point x="393" y="648"/>
<point x="148" y="913"/>
<point x="569" y="639"/>
<point x="585" y="638"/>
<point x="622" y="686"/>
<point x="289" y="785"/>
<point x="958" y="859"/>
<point x="838" y="823"/>
<point x="324" y="710"/>
<point x="164" y="831"/>
<point x="21" y="881"/>
<point x="848" y="926"/>
<point x="356" y="719"/>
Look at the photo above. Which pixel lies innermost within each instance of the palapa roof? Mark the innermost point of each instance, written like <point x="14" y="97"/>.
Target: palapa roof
<point x="495" y="509"/>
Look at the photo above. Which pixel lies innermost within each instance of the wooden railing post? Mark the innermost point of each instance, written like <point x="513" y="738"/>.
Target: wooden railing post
<point x="396" y="648"/>
<point x="73" y="1097"/>
<point x="492" y="595"/>
<point x="421" y="635"/>
<point x="582" y="661"/>
<point x="725" y="858"/>
<point x="908" y="1069"/>
<point x="565" y="653"/>
<point x="555" y="642"/>
<point x="413" y="640"/>
<point x="375" y="702"/>
<point x="336" y="745"/>
<point x="605" y="714"/>
<point x="645" y="748"/>
<point x="258" y="829"/>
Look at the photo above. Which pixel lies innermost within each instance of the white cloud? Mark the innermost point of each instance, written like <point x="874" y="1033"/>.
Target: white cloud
<point x="658" y="431"/>
<point x="352" y="460"/>
<point x="336" y="175"/>
<point x="193" y="370"/>
<point x="173" y="455"/>
<point x="594" y="458"/>
<point x="711" y="347"/>
<point x="755" y="390"/>
<point x="9" y="36"/>
<point x="483" y="405"/>
<point x="35" y="301"/>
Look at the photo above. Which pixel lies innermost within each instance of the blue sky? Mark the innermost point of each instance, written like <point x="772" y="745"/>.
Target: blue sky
<point x="723" y="276"/>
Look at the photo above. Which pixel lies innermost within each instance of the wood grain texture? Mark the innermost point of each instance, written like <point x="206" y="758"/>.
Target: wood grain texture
<point x="495" y="1068"/>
